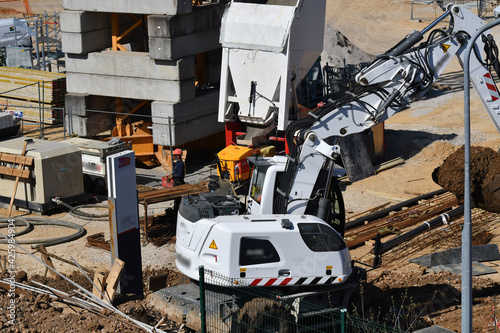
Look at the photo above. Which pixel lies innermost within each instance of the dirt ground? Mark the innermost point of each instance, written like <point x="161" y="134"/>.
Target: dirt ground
<point x="423" y="136"/>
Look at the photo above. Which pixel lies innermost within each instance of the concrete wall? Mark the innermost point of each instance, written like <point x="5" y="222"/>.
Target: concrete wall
<point x="130" y="87"/>
<point x="191" y="120"/>
<point x="85" y="32"/>
<point x="130" y="64"/>
<point x="182" y="46"/>
<point x="93" y="124"/>
<point x="205" y="17"/>
<point x="82" y="104"/>
<point x="165" y="75"/>
<point x="165" y="7"/>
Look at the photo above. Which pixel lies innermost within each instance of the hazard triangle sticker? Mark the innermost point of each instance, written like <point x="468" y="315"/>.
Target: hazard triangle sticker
<point x="445" y="47"/>
<point x="213" y="245"/>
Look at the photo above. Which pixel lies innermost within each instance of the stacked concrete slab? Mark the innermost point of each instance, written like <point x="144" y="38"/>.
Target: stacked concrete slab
<point x="176" y="33"/>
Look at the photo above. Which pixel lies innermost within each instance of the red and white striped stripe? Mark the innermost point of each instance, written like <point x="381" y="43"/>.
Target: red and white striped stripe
<point x="490" y="84"/>
<point x="275" y="282"/>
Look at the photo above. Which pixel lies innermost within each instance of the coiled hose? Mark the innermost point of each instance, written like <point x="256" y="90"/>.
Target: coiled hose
<point x="30" y="221"/>
<point x="76" y="211"/>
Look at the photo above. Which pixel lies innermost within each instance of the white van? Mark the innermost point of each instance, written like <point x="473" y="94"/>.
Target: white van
<point x="15" y="32"/>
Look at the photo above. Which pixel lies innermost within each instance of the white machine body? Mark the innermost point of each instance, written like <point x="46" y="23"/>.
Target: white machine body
<point x="268" y="250"/>
<point x="287" y="191"/>
<point x="266" y="45"/>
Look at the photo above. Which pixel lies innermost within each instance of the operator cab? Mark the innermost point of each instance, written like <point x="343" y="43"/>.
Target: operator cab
<point x="266" y="176"/>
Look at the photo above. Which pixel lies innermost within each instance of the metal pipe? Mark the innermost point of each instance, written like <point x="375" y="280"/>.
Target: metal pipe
<point x="423" y="227"/>
<point x="171" y="148"/>
<point x="37" y="45"/>
<point x="433" y="24"/>
<point x="467" y="230"/>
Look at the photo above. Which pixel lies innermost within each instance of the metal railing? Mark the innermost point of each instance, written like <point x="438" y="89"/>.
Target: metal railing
<point x="202" y="139"/>
<point x="429" y="10"/>
<point x="228" y="306"/>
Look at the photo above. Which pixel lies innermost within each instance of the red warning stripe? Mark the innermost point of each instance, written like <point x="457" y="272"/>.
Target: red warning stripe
<point x="285" y="281"/>
<point x="255" y="282"/>
<point x="491" y="86"/>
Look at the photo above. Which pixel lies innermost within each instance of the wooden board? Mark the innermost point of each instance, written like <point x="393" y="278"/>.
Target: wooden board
<point x="114" y="278"/>
<point x="99" y="283"/>
<point x="15" y="169"/>
<point x="170" y="193"/>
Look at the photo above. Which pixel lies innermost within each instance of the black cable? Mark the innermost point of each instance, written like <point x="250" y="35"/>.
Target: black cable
<point x="5" y="223"/>
<point x="76" y="212"/>
<point x="80" y="232"/>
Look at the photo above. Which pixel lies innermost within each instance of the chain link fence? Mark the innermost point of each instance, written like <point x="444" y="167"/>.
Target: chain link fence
<point x="228" y="306"/>
<point x="153" y="137"/>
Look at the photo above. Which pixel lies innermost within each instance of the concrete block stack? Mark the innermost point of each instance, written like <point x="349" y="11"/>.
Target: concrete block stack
<point x="178" y="35"/>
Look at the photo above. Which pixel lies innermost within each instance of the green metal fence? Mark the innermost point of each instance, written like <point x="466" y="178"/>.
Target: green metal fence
<point x="228" y="306"/>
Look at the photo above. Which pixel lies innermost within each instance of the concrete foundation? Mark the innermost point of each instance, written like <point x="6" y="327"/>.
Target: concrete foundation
<point x="85" y="32"/>
<point x="131" y="87"/>
<point x="80" y="21"/>
<point x="185" y="111"/>
<point x="130" y="64"/>
<point x="170" y="7"/>
<point x="191" y="120"/>
<point x="205" y="17"/>
<point x="81" y="43"/>
<point x="177" y="34"/>
<point x="94" y="124"/>
<point x="178" y="47"/>
<point x="84" y="105"/>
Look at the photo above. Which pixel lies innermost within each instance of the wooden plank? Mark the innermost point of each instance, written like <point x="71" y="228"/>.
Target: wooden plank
<point x="170" y="193"/>
<point x="99" y="285"/>
<point x="9" y="211"/>
<point x="113" y="279"/>
<point x="24" y="174"/>
<point x="11" y="158"/>
<point x="46" y="259"/>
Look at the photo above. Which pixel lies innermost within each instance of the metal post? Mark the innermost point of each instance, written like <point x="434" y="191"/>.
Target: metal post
<point x="467" y="230"/>
<point x="64" y="122"/>
<point x="39" y="110"/>
<point x="494" y="316"/>
<point x="47" y="38"/>
<point x="170" y="142"/>
<point x="37" y="45"/>
<point x="203" y="311"/>
<point x="43" y="108"/>
<point x="70" y="122"/>
<point x="342" y="320"/>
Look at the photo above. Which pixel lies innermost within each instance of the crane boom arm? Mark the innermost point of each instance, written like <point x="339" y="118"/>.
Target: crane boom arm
<point x="389" y="84"/>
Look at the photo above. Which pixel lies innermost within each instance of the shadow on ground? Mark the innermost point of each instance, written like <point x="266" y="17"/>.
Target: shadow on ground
<point x="406" y="144"/>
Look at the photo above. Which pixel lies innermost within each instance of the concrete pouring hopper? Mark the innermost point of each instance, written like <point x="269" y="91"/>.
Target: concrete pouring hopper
<point x="56" y="172"/>
<point x="268" y="48"/>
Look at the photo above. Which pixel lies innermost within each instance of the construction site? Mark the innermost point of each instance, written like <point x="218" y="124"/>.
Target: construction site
<point x="335" y="175"/>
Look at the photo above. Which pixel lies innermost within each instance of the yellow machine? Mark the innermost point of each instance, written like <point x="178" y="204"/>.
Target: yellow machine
<point x="233" y="164"/>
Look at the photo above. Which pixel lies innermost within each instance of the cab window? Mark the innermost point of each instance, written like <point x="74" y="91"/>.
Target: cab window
<point x="257" y="251"/>
<point x="320" y="238"/>
<point x="257" y="183"/>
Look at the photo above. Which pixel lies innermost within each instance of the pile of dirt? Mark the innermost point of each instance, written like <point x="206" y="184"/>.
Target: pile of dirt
<point x="38" y="312"/>
<point x="424" y="298"/>
<point x="485" y="177"/>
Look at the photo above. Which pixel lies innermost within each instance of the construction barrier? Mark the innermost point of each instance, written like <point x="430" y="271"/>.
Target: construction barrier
<point x="252" y="309"/>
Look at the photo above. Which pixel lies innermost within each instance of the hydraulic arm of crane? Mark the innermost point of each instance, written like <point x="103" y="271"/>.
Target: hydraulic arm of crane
<point x="401" y="75"/>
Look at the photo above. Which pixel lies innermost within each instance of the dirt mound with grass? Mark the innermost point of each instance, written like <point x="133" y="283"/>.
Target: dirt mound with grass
<point x="485" y="176"/>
